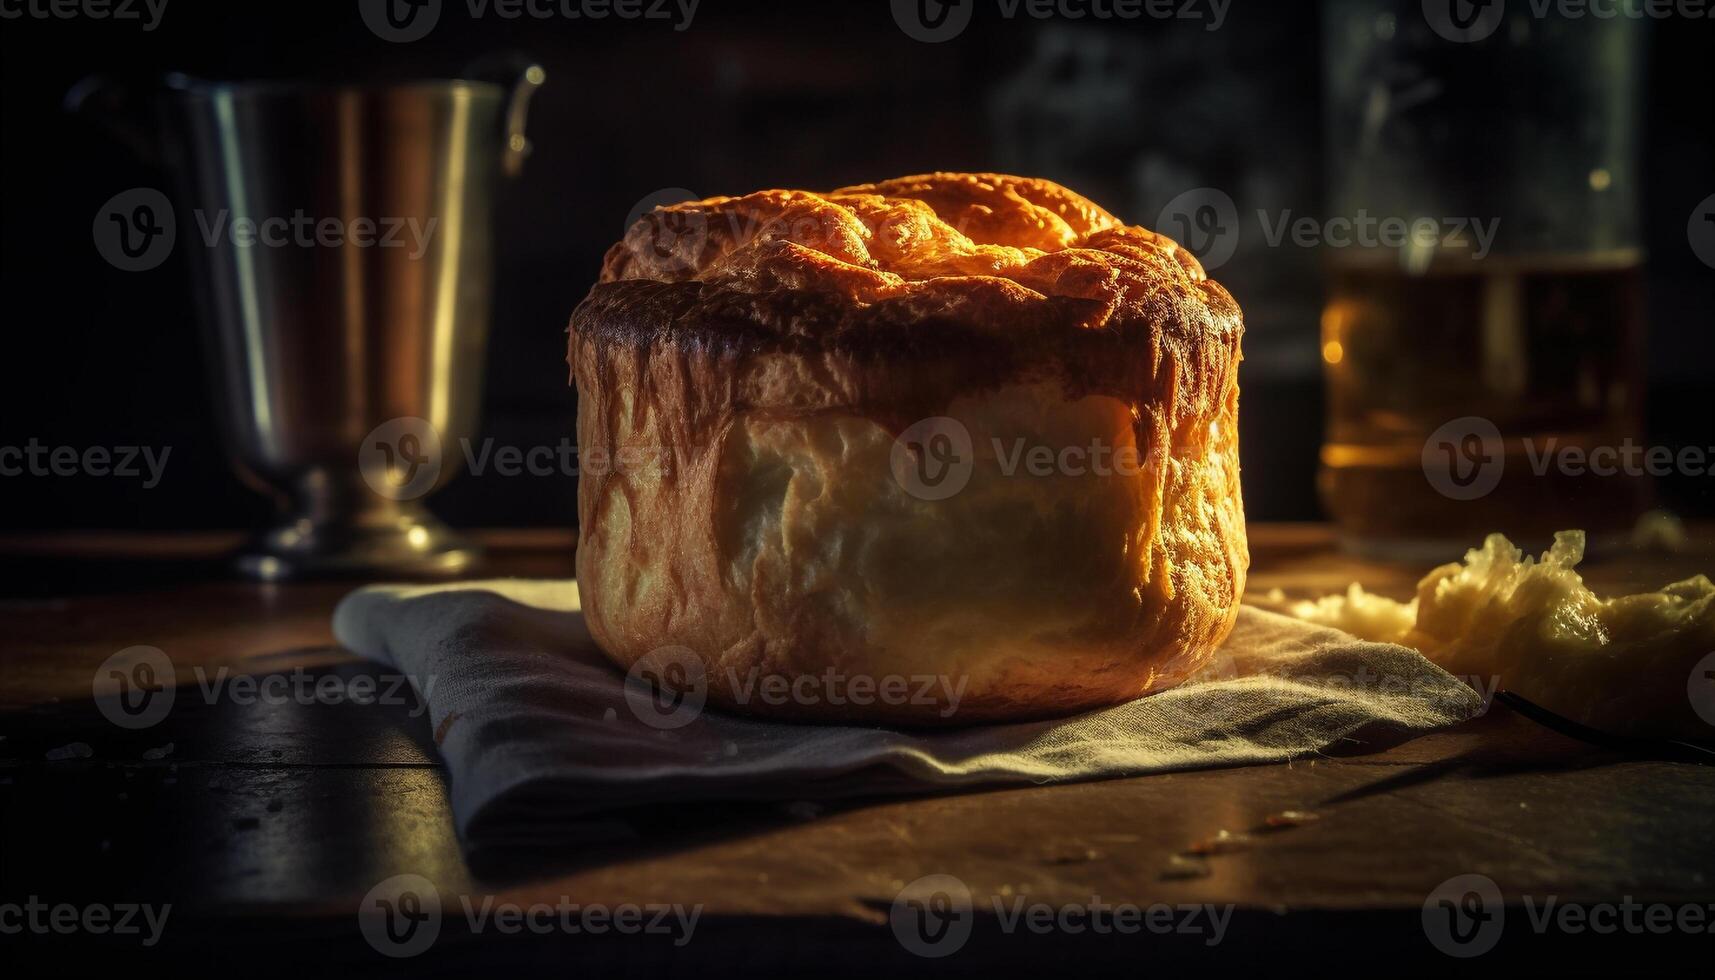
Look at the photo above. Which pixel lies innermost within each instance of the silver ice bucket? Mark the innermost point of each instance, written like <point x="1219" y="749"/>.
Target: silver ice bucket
<point x="340" y="238"/>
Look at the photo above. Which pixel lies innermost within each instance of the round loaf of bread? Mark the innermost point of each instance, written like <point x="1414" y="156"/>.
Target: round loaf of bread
<point x="944" y="449"/>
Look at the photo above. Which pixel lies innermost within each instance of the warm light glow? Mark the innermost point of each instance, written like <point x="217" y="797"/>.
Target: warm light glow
<point x="1333" y="352"/>
<point x="1330" y="320"/>
<point x="1600" y="179"/>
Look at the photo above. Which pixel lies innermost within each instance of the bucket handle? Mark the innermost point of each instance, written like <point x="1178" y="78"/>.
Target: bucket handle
<point x="521" y="76"/>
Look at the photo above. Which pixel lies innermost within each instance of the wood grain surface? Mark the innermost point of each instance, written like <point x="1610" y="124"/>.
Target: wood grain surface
<point x="266" y="821"/>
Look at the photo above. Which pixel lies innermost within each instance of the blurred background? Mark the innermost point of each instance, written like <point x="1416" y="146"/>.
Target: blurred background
<point x="1240" y="107"/>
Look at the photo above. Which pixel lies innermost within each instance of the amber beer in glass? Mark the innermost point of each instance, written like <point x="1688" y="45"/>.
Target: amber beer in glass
<point x="1482" y="382"/>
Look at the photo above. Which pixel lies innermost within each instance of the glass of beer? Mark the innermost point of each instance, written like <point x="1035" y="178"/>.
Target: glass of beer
<point x="1484" y="361"/>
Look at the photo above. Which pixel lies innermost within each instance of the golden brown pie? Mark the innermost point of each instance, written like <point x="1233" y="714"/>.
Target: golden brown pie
<point x="941" y="449"/>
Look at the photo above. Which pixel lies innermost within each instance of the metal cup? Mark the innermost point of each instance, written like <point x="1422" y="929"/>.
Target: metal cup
<point x="341" y="244"/>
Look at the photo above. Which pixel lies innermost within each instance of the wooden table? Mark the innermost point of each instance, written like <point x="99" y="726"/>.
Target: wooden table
<point x="266" y="824"/>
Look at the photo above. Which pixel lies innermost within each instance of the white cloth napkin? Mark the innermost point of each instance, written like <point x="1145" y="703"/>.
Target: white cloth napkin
<point x="537" y="729"/>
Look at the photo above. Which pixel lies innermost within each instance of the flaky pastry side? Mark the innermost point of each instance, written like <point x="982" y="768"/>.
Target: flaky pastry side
<point x="746" y="368"/>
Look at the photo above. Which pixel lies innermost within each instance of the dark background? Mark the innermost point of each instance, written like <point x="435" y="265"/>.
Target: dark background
<point x="792" y="94"/>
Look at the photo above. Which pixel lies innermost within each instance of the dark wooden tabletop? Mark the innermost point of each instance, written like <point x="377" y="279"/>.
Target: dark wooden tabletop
<point x="265" y="820"/>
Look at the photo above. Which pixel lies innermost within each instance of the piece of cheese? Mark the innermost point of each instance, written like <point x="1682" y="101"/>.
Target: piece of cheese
<point x="1634" y="665"/>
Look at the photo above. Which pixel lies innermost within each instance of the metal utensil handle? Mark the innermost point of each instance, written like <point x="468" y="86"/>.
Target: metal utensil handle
<point x="517" y="109"/>
<point x="521" y="76"/>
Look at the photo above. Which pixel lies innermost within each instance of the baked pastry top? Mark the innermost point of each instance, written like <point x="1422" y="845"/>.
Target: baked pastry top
<point x="1014" y="276"/>
<point x="770" y="353"/>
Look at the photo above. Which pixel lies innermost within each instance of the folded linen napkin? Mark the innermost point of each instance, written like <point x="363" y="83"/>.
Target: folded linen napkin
<point x="538" y="728"/>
